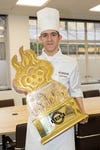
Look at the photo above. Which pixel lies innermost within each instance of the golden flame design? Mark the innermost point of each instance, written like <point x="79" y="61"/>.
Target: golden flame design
<point x="31" y="72"/>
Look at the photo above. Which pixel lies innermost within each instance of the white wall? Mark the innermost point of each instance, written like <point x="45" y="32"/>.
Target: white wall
<point x="18" y="35"/>
<point x="91" y="86"/>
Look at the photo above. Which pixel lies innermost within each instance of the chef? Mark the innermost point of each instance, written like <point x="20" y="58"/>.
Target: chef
<point x="65" y="71"/>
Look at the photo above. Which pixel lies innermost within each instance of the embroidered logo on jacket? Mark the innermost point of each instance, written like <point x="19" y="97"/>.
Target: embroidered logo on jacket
<point x="63" y="74"/>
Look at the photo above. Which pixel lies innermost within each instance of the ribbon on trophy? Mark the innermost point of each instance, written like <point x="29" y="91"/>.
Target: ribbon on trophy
<point x="52" y="109"/>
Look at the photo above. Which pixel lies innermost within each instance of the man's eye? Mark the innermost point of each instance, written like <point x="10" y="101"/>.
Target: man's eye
<point x="44" y="35"/>
<point x="54" y="34"/>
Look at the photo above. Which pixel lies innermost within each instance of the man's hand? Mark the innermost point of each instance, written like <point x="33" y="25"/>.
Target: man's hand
<point x="84" y="121"/>
<point x="20" y="91"/>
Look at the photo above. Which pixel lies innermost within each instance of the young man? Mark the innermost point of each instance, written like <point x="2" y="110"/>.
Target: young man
<point x="65" y="71"/>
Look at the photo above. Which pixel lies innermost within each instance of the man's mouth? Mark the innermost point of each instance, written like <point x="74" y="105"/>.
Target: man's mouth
<point x="49" y="43"/>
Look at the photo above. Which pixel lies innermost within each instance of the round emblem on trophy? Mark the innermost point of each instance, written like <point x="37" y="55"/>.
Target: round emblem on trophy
<point x="57" y="117"/>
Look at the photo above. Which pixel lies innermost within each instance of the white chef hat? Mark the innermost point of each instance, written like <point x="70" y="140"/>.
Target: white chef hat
<point x="48" y="19"/>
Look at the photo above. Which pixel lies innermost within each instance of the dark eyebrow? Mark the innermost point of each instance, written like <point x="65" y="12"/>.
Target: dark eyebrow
<point x="44" y="34"/>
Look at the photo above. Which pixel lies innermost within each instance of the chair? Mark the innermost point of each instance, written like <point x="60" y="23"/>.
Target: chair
<point x="21" y="130"/>
<point x="88" y="135"/>
<point x="24" y="101"/>
<point x="5" y="103"/>
<point x="91" y="93"/>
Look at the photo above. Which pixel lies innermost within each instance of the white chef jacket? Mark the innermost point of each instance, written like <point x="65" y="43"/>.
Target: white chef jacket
<point x="66" y="72"/>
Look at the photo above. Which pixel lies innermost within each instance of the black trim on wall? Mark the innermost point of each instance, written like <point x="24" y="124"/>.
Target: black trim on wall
<point x="68" y="19"/>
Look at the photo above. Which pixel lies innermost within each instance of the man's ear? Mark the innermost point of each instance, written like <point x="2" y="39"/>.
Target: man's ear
<point x="60" y="37"/>
<point x="40" y="38"/>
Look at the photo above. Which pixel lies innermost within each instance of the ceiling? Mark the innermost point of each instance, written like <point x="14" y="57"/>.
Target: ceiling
<point x="72" y="9"/>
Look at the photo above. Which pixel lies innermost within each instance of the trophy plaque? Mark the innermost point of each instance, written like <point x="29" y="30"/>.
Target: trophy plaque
<point x="52" y="116"/>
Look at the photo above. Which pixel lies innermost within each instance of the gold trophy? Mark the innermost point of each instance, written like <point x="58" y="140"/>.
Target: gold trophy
<point x="53" y="111"/>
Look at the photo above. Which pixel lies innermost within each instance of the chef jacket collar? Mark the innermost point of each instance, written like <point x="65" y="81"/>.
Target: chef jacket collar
<point x="49" y="58"/>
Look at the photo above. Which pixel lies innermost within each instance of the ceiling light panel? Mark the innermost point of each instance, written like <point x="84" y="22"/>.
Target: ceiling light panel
<point x="31" y="2"/>
<point x="96" y="8"/>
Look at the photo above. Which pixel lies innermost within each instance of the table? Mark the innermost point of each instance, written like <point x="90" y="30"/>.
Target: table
<point x="92" y="105"/>
<point x="10" y="117"/>
<point x="88" y="135"/>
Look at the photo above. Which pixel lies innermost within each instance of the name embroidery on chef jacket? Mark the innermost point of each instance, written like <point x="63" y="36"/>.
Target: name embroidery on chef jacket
<point x="63" y="74"/>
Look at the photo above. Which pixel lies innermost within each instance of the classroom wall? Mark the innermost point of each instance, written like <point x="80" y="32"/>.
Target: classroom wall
<point x="18" y="35"/>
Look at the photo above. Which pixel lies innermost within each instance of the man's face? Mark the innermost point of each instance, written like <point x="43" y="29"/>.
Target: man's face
<point x="50" y="40"/>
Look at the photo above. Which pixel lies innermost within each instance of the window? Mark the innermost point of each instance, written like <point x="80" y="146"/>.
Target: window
<point x="80" y="39"/>
<point x="4" y="75"/>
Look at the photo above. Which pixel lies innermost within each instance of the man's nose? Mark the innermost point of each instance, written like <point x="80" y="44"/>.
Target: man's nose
<point x="49" y="36"/>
